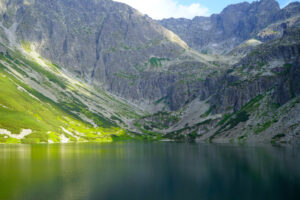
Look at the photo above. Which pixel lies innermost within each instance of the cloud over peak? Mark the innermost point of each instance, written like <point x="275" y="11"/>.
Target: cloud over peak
<point x="159" y="9"/>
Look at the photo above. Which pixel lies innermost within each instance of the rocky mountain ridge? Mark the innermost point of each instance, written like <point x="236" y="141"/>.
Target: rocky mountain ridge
<point x="107" y="68"/>
<point x="220" y="33"/>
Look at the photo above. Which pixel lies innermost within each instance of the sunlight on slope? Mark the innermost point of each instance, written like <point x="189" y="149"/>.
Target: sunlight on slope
<point x="20" y="111"/>
<point x="23" y="108"/>
<point x="175" y="38"/>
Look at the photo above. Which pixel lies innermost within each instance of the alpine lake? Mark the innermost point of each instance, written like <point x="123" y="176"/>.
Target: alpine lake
<point x="149" y="171"/>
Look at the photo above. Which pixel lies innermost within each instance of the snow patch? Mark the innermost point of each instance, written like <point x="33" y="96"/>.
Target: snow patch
<point x="3" y="106"/>
<point x="20" y="136"/>
<point x="4" y="132"/>
<point x="80" y="134"/>
<point x="69" y="133"/>
<point x="214" y="44"/>
<point x="50" y="142"/>
<point x="21" y="89"/>
<point x="253" y="42"/>
<point x="24" y="133"/>
<point x="64" y="139"/>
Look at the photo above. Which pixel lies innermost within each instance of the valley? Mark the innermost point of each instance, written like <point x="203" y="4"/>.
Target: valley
<point x="101" y="71"/>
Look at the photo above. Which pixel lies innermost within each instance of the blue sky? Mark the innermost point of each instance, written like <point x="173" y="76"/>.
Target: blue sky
<point x="216" y="6"/>
<point x="159" y="9"/>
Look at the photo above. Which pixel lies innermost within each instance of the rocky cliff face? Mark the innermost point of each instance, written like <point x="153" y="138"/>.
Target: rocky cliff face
<point x="105" y="43"/>
<point x="237" y="23"/>
<point x="252" y="99"/>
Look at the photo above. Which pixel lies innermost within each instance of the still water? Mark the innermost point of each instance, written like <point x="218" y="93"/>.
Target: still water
<point x="142" y="171"/>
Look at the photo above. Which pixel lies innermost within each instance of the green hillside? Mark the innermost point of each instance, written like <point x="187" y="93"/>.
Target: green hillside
<point x="32" y="111"/>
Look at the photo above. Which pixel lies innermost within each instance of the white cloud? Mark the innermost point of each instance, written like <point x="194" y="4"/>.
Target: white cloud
<point x="159" y="9"/>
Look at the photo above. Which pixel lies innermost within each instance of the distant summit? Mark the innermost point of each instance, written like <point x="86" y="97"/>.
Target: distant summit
<point x="220" y="33"/>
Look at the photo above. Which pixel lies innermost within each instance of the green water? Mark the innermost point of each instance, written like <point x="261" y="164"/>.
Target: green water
<point x="142" y="171"/>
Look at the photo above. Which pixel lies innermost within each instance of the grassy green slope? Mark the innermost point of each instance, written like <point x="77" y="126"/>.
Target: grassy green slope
<point x="40" y="103"/>
<point x="19" y="110"/>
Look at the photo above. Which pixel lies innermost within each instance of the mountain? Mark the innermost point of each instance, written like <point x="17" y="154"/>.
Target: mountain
<point x="99" y="71"/>
<point x="104" y="43"/>
<point x="220" y="33"/>
<point x="78" y="55"/>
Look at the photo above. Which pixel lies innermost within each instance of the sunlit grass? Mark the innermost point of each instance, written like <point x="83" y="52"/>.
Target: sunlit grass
<point x="21" y="109"/>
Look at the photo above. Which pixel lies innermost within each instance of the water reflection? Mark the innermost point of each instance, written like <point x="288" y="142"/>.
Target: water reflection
<point x="148" y="171"/>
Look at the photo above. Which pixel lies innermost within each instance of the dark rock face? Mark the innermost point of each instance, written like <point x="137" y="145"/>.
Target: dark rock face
<point x="295" y="78"/>
<point x="222" y="32"/>
<point x="235" y="96"/>
<point x="285" y="77"/>
<point x="289" y="86"/>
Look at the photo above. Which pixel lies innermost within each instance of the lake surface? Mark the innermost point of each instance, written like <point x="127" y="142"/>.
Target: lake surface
<point x="148" y="171"/>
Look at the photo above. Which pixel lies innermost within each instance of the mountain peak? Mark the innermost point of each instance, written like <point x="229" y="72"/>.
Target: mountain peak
<point x="293" y="4"/>
<point x="272" y="3"/>
<point x="268" y="5"/>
